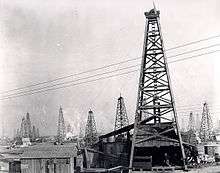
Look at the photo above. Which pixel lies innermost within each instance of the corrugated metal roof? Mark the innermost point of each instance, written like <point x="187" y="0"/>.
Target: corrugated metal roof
<point x="43" y="150"/>
<point x="49" y="151"/>
<point x="9" y="156"/>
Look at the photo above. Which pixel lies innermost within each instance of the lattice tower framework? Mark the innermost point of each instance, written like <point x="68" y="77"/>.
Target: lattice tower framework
<point x="90" y="132"/>
<point x="121" y="118"/>
<point x="155" y="94"/>
<point x="206" y="127"/>
<point x="61" y="130"/>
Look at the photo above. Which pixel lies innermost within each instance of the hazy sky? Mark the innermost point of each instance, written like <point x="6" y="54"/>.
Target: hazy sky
<point x="42" y="40"/>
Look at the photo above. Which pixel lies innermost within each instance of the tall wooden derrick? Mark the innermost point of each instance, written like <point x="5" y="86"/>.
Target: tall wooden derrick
<point x="157" y="137"/>
<point x="191" y="131"/>
<point x="61" y="130"/>
<point x="28" y="125"/>
<point x="91" y="135"/>
<point x="206" y="128"/>
<point x="23" y="131"/>
<point x="34" y="133"/>
<point x="121" y="119"/>
<point x="26" y="130"/>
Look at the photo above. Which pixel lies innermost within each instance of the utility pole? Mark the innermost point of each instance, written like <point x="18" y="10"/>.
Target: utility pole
<point x="206" y="127"/>
<point x="154" y="96"/>
<point x="91" y="132"/>
<point x="61" y="130"/>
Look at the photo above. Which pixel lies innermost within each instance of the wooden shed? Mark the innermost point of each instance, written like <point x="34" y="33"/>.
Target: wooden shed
<point x="49" y="159"/>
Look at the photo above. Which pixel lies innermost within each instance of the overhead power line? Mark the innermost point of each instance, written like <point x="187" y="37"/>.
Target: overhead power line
<point x="114" y="64"/>
<point x="101" y="78"/>
<point x="91" y="76"/>
<point x="186" y="113"/>
<point x="180" y="109"/>
<point x="76" y="80"/>
<point x="193" y="42"/>
<point x="194" y="56"/>
<point x="194" y="50"/>
<point x="89" y="81"/>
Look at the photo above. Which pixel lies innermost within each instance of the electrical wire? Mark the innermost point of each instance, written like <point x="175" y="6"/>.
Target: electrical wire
<point x="89" y="81"/>
<point x="31" y="93"/>
<point x="115" y="71"/>
<point x="68" y="82"/>
<point x="110" y="65"/>
<point x="193" y="42"/>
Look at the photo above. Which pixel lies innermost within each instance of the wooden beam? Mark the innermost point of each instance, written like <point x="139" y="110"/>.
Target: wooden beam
<point x="124" y="129"/>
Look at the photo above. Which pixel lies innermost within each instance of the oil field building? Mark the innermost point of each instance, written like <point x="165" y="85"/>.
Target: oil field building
<point x="48" y="159"/>
<point x="43" y="158"/>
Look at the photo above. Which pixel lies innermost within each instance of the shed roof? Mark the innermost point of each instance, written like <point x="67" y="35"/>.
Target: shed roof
<point x="49" y="151"/>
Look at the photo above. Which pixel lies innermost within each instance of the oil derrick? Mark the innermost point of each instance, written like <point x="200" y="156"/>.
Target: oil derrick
<point x="18" y="135"/>
<point x="28" y="125"/>
<point x="90" y="132"/>
<point x="121" y="119"/>
<point x="34" y="133"/>
<point x="81" y="142"/>
<point x="61" y="133"/>
<point x="191" y="124"/>
<point x="182" y="125"/>
<point x="157" y="137"/>
<point x="81" y="133"/>
<point x="206" y="128"/>
<point x="191" y="131"/>
<point x="23" y="131"/>
<point x="197" y="122"/>
<point x="68" y="128"/>
<point x="38" y="133"/>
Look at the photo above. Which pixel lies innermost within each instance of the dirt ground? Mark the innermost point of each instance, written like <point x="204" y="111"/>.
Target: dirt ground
<point x="210" y="169"/>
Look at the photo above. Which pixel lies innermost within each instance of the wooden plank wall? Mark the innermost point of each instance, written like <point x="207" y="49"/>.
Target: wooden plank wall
<point x="40" y="165"/>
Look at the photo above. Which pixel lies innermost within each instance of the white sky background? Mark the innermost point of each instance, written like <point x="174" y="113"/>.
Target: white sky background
<point x="41" y="40"/>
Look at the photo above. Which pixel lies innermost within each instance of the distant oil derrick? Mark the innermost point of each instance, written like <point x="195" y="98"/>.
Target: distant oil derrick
<point x="23" y="129"/>
<point x="81" y="131"/>
<point x="81" y="142"/>
<point x="68" y="128"/>
<point x="38" y="133"/>
<point x="160" y="130"/>
<point x="28" y="125"/>
<point x="61" y="133"/>
<point x="90" y="132"/>
<point x="182" y="125"/>
<point x="121" y="119"/>
<point x="206" y="128"/>
<point x="197" y="122"/>
<point x="191" y="124"/>
<point x="26" y="130"/>
<point x="191" y="131"/>
<point x="34" y="132"/>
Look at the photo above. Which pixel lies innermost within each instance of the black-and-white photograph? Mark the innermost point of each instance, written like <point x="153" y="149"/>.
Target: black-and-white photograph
<point x="109" y="86"/>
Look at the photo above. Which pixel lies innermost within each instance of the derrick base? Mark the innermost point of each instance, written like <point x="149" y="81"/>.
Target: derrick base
<point x="110" y="152"/>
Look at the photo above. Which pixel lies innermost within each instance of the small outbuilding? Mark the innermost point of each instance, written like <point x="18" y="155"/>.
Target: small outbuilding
<point x="49" y="159"/>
